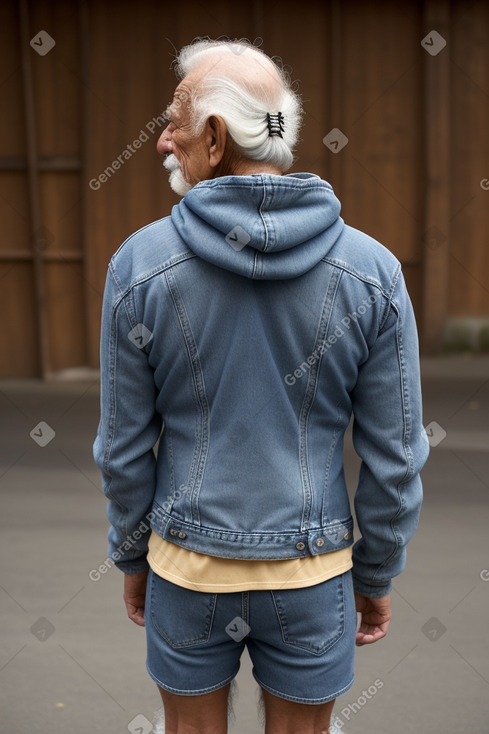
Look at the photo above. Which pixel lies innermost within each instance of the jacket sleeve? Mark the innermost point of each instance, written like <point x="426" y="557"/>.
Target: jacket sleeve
<point x="389" y="437"/>
<point x="128" y="430"/>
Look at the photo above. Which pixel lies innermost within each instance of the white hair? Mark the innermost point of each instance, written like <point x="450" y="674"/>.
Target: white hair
<point x="243" y="103"/>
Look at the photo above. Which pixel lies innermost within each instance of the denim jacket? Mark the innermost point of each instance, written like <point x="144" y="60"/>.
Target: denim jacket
<point x="239" y="335"/>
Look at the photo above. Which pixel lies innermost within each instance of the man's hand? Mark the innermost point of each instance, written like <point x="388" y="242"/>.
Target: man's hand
<point x="376" y="615"/>
<point x="135" y="595"/>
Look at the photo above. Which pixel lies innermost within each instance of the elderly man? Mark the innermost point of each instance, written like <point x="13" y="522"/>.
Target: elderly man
<point x="250" y="324"/>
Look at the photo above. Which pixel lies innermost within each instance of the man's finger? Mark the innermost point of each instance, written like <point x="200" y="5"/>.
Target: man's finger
<point x="136" y="614"/>
<point x="367" y="634"/>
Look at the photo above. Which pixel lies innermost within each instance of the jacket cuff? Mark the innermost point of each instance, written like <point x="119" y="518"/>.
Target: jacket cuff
<point x="138" y="565"/>
<point x="373" y="590"/>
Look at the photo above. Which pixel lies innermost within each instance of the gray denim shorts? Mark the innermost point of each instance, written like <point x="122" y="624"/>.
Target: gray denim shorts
<point x="301" y="641"/>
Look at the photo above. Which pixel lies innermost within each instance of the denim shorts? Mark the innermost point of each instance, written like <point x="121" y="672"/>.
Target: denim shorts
<point x="301" y="641"/>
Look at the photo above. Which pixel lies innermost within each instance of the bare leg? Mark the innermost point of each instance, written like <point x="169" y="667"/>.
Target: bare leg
<point x="206" y="714"/>
<point x="287" y="717"/>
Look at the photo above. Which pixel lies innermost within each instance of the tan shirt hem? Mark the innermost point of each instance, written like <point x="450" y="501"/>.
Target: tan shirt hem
<point x="198" y="571"/>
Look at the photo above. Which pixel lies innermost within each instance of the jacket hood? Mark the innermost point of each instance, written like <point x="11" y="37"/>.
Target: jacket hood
<point x="262" y="226"/>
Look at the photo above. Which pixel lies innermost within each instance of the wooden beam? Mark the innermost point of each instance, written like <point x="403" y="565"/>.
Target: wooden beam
<point x="334" y="94"/>
<point x="258" y="20"/>
<point x="33" y="187"/>
<point x="92" y="352"/>
<point x="56" y="163"/>
<point x="25" y="255"/>
<point x="436" y="221"/>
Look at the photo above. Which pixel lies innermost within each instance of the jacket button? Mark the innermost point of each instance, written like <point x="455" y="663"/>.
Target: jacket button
<point x="300" y="545"/>
<point x="173" y="531"/>
<point x="182" y="535"/>
<point x="320" y="542"/>
<point x="346" y="536"/>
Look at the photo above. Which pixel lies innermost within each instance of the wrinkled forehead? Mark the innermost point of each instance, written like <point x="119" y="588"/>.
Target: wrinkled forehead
<point x="184" y="90"/>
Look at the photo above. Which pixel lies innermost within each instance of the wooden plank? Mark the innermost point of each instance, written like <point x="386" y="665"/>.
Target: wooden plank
<point x="60" y="213"/>
<point x="34" y="204"/>
<point x="14" y="215"/>
<point x="92" y="328"/>
<point x="44" y="163"/>
<point x="20" y="356"/>
<point x="55" y="78"/>
<point x="468" y="288"/>
<point x="23" y="255"/>
<point x="333" y="93"/>
<point x="64" y="282"/>
<point x="296" y="33"/>
<point x="437" y="160"/>
<point x="12" y="130"/>
<point x="381" y="89"/>
<point x="57" y="93"/>
<point x="63" y="261"/>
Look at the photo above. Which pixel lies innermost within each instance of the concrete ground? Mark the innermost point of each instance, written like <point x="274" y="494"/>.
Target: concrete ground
<point x="70" y="660"/>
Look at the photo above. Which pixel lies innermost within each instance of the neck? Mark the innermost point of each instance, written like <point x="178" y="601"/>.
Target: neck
<point x="233" y="164"/>
<point x="247" y="168"/>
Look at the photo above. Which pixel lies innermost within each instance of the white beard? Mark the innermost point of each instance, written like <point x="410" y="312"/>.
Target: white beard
<point x="177" y="181"/>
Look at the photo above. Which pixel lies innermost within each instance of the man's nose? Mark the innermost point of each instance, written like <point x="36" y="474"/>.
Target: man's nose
<point x="164" y="145"/>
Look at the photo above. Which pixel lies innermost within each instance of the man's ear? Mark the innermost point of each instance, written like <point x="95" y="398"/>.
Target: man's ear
<point x="216" y="136"/>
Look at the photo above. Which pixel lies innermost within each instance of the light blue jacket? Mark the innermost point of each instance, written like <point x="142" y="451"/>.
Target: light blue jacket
<point x="251" y="323"/>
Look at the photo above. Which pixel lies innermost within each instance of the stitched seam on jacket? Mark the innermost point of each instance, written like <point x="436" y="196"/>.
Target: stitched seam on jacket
<point x="202" y="438"/>
<point x="309" y="395"/>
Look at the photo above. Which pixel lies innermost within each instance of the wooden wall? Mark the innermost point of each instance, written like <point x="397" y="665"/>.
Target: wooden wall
<point x="410" y="174"/>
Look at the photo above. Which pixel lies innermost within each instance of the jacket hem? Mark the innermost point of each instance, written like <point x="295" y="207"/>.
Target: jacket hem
<point x="254" y="546"/>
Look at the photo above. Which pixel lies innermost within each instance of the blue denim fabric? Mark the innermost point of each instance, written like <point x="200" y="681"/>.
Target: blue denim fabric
<point x="301" y="641"/>
<point x="251" y="323"/>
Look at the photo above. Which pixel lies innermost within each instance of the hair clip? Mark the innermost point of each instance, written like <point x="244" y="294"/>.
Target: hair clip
<point x="275" y="124"/>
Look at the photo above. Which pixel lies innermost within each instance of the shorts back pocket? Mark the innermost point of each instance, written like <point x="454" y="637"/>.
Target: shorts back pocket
<point x="312" y="618"/>
<point x="181" y="616"/>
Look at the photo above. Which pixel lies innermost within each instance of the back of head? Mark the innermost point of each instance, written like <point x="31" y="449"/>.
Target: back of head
<point x="241" y="84"/>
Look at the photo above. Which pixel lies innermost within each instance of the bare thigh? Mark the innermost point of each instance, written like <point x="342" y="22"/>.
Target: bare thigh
<point x="288" y="717"/>
<point x="206" y="714"/>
